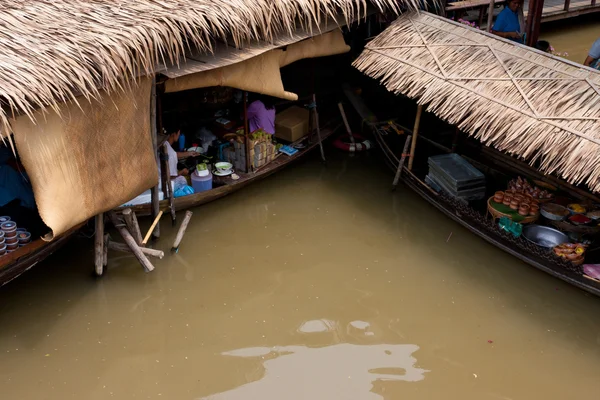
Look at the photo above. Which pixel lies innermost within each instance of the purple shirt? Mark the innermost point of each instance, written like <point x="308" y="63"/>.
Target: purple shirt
<point x="261" y="118"/>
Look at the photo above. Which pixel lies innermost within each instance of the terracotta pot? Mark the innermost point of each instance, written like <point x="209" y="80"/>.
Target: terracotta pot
<point x="534" y="210"/>
<point x="507" y="199"/>
<point x="498" y="197"/>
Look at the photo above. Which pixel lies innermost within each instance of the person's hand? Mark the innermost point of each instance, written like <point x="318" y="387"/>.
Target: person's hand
<point x="184" y="172"/>
<point x="514" y="35"/>
<point x="192" y="154"/>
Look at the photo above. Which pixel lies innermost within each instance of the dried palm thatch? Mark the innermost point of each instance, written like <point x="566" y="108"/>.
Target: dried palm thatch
<point x="519" y="100"/>
<point x="54" y="50"/>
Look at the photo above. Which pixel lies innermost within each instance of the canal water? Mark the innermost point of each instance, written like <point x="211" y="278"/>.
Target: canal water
<point x="573" y="36"/>
<point x="317" y="283"/>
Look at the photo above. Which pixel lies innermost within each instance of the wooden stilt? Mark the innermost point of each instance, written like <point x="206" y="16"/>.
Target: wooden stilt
<point x="490" y="18"/>
<point x="105" y="255"/>
<point x="99" y="245"/>
<point x="133" y="226"/>
<point x="318" y="128"/>
<point x="168" y="186"/>
<point x="154" y="223"/>
<point x="124" y="248"/>
<point x="401" y="163"/>
<point x="414" y="138"/>
<point x="130" y="241"/>
<point x="341" y="107"/>
<point x="249" y="162"/>
<point x="154" y="134"/>
<point x="182" y="229"/>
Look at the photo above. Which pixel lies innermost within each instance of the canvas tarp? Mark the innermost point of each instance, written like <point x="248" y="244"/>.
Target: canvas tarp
<point x="261" y="74"/>
<point x="90" y="158"/>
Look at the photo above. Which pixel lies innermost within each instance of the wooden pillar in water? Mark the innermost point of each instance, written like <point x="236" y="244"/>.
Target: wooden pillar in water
<point x="99" y="245"/>
<point x="247" y="132"/>
<point x="154" y="134"/>
<point x="414" y="138"/>
<point x="534" y="20"/>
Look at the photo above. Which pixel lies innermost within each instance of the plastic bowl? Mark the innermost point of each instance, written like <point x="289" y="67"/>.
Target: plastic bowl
<point x="223" y="166"/>
<point x="8" y="226"/>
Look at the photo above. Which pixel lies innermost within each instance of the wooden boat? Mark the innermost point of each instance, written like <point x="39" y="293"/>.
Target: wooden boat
<point x="231" y="186"/>
<point x="473" y="220"/>
<point x="21" y="260"/>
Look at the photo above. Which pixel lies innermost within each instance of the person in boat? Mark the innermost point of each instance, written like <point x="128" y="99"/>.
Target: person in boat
<point x="510" y="22"/>
<point x="16" y="194"/>
<point x="593" y="58"/>
<point x="261" y="114"/>
<point x="174" y="156"/>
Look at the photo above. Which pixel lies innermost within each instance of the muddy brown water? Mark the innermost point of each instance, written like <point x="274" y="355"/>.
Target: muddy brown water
<point x="317" y="283"/>
<point x="573" y="36"/>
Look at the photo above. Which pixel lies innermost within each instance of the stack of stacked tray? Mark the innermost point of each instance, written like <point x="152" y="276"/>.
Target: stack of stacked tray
<point x="455" y="176"/>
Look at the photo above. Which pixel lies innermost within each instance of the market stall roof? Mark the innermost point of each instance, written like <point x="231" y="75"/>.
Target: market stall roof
<point x="53" y="51"/>
<point x="225" y="53"/>
<point x="528" y="103"/>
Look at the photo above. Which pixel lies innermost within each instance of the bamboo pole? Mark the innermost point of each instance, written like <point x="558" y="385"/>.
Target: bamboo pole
<point x="99" y="245"/>
<point x="490" y="18"/>
<point x="316" y="125"/>
<point x="414" y="138"/>
<point x="247" y="133"/>
<point x="168" y="186"/>
<point x="154" y="134"/>
<point x="182" y="229"/>
<point x="154" y="223"/>
<point x="133" y="226"/>
<point x="401" y="163"/>
<point x="341" y="107"/>
<point x="130" y="241"/>
<point x="124" y="248"/>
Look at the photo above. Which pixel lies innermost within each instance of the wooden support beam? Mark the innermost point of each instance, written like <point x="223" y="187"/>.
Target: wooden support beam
<point x="130" y="241"/>
<point x="249" y="163"/>
<point x="168" y="186"/>
<point x="414" y="138"/>
<point x="401" y="163"/>
<point x="315" y="116"/>
<point x="154" y="136"/>
<point x="99" y="245"/>
<point x="124" y="248"/>
<point x="133" y="226"/>
<point x="105" y="255"/>
<point x="567" y="5"/>
<point x="154" y="223"/>
<point x="490" y="18"/>
<point x="181" y="231"/>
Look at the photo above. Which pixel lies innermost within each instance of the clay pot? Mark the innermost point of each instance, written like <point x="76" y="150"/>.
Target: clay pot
<point x="507" y="199"/>
<point x="534" y="210"/>
<point x="514" y="206"/>
<point x="524" y="209"/>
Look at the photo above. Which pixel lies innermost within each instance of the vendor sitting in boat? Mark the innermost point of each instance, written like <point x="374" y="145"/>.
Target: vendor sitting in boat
<point x="510" y="22"/>
<point x="174" y="156"/>
<point x="593" y="58"/>
<point x="261" y="114"/>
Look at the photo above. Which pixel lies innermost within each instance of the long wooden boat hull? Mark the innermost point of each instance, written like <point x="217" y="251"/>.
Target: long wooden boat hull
<point x="197" y="199"/>
<point x="14" y="264"/>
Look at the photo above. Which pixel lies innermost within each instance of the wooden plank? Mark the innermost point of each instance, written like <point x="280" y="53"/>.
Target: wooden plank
<point x="130" y="241"/>
<point x="124" y="248"/>
<point x="133" y="226"/>
<point x="181" y="231"/>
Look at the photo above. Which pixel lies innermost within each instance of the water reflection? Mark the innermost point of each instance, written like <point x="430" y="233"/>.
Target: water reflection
<point x="342" y="371"/>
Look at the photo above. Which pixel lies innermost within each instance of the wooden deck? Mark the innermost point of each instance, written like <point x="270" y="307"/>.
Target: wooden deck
<point x="561" y="9"/>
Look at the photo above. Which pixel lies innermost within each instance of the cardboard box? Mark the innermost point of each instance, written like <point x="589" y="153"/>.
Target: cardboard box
<point x="292" y="124"/>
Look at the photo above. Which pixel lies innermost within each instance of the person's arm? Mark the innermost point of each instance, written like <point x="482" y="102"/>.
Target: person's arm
<point x="183" y="172"/>
<point x="588" y="61"/>
<point x="507" y="35"/>
<point x="185" y="154"/>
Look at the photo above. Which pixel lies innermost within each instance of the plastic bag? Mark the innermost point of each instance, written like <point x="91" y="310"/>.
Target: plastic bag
<point x="184" y="191"/>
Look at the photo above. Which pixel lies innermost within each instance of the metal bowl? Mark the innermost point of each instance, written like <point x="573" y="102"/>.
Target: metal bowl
<point x="544" y="236"/>
<point x="545" y="210"/>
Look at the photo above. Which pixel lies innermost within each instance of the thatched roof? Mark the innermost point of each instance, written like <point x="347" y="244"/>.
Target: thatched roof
<point x="516" y="99"/>
<point x="54" y="50"/>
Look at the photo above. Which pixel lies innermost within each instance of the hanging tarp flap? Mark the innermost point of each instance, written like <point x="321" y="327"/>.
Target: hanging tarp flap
<point x="261" y="74"/>
<point x="90" y="158"/>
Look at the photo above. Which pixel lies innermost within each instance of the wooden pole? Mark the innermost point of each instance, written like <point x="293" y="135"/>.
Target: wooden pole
<point x="182" y="229"/>
<point x="316" y="125"/>
<point x="168" y="186"/>
<point x="154" y="223"/>
<point x="124" y="248"/>
<point x="247" y="133"/>
<point x="154" y="134"/>
<point x="133" y="226"/>
<point x="130" y="241"/>
<point x="105" y="255"/>
<point x="401" y="163"/>
<point x="341" y="107"/>
<point x="490" y="19"/>
<point x="414" y="138"/>
<point x="99" y="245"/>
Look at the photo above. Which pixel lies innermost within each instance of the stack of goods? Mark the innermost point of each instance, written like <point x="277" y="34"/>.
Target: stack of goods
<point x="574" y="252"/>
<point x="454" y="175"/>
<point x="522" y="186"/>
<point x="262" y="148"/>
<point x="11" y="237"/>
<point x="524" y="204"/>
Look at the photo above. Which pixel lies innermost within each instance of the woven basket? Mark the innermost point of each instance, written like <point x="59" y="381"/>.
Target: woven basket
<point x="498" y="214"/>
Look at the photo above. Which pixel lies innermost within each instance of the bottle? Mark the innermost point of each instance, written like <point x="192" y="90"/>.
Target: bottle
<point x="181" y="142"/>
